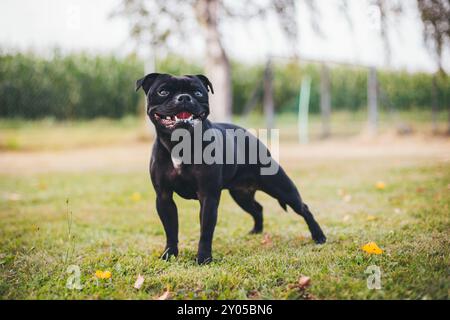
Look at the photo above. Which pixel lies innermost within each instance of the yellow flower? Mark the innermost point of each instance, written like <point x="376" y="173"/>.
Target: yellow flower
<point x="103" y="274"/>
<point x="380" y="185"/>
<point x="136" y="196"/>
<point x="372" y="248"/>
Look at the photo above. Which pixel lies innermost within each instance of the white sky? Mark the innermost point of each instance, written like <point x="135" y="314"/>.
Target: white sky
<point x="84" y="25"/>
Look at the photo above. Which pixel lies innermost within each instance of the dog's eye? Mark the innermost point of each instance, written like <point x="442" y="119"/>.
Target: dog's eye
<point x="163" y="93"/>
<point x="198" y="93"/>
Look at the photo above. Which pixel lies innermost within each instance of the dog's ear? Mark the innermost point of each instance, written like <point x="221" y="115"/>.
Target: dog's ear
<point x="146" y="82"/>
<point x="206" y="82"/>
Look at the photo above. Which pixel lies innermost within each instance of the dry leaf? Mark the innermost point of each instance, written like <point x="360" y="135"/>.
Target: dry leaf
<point x="139" y="281"/>
<point x="267" y="240"/>
<point x="346" y="218"/>
<point x="253" y="294"/>
<point x="371" y="218"/>
<point x="380" y="185"/>
<point x="165" y="296"/>
<point x="372" y="248"/>
<point x="304" y="282"/>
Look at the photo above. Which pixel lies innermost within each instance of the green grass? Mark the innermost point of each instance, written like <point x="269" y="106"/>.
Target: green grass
<point x="48" y="134"/>
<point x="111" y="231"/>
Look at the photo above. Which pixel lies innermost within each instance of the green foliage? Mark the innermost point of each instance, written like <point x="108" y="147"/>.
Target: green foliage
<point x="65" y="87"/>
<point x="84" y="86"/>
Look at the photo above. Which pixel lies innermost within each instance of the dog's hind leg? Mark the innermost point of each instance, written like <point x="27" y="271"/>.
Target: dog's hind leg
<point x="246" y="200"/>
<point x="281" y="187"/>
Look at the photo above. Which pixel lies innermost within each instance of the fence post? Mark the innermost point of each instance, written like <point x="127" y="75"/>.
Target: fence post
<point x="372" y="97"/>
<point x="325" y="100"/>
<point x="303" y="110"/>
<point x="268" y="96"/>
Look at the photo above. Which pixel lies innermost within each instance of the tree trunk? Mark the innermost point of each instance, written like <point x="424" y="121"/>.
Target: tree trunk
<point x="217" y="65"/>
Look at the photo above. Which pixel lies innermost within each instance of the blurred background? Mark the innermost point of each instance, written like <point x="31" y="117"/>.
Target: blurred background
<point x="320" y="71"/>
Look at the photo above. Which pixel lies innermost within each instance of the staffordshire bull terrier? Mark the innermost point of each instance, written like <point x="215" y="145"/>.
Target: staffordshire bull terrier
<point x="181" y="104"/>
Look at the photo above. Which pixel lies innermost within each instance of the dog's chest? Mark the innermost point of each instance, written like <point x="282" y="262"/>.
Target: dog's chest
<point x="183" y="182"/>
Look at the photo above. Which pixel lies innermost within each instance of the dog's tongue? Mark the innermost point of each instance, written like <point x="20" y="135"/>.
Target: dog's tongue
<point x="184" y="115"/>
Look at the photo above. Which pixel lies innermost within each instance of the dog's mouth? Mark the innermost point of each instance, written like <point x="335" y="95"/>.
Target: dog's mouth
<point x="183" y="117"/>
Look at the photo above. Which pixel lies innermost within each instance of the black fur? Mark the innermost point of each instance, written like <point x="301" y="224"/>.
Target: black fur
<point x="201" y="181"/>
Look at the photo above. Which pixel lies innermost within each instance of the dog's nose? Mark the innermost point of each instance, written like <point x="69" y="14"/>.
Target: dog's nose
<point x="184" y="98"/>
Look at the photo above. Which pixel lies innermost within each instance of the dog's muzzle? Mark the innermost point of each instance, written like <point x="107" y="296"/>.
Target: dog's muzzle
<point x="183" y="117"/>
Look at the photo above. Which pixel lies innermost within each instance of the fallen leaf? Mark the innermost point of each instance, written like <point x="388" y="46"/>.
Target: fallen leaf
<point x="267" y="240"/>
<point x="420" y="190"/>
<point x="372" y="248"/>
<point x="165" y="296"/>
<point x="304" y="282"/>
<point x="371" y="218"/>
<point x="380" y="185"/>
<point x="136" y="196"/>
<point x="347" y="198"/>
<point x="346" y="218"/>
<point x="103" y="274"/>
<point x="253" y="294"/>
<point x="139" y="281"/>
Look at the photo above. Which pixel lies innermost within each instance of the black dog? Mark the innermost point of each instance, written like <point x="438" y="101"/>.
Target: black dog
<point x="182" y="102"/>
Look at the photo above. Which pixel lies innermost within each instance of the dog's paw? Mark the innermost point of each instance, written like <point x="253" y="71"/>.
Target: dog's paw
<point x="168" y="253"/>
<point x="320" y="238"/>
<point x="256" y="231"/>
<point x="203" y="259"/>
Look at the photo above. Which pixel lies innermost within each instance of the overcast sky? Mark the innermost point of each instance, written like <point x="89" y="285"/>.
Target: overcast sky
<point x="84" y="25"/>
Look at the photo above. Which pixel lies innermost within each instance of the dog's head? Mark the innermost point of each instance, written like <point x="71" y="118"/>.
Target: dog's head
<point x="174" y="102"/>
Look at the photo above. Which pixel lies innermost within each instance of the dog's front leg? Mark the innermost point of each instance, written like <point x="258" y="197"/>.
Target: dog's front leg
<point x="208" y="219"/>
<point x="167" y="211"/>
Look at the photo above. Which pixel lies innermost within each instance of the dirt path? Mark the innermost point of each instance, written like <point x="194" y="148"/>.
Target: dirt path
<point x="136" y="156"/>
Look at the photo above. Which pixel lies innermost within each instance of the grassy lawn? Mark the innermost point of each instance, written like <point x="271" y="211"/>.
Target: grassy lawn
<point x="110" y="223"/>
